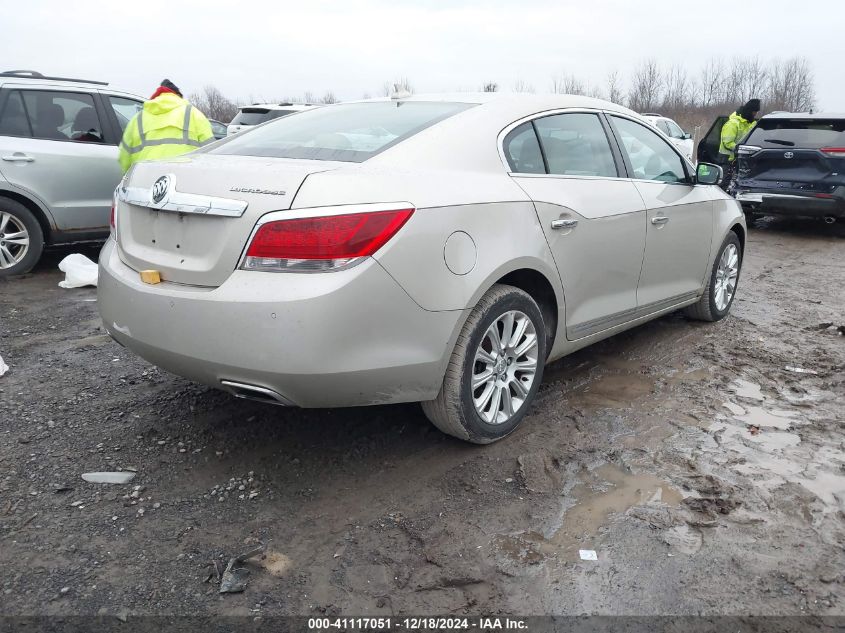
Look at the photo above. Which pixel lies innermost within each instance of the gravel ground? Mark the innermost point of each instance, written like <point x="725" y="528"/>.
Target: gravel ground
<point x="708" y="477"/>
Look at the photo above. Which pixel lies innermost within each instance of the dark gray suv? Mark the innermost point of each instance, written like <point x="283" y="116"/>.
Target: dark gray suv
<point x="58" y="162"/>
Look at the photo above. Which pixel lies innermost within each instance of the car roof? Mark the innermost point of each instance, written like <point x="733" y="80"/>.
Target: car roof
<point x="16" y="78"/>
<point x="805" y="115"/>
<point x="516" y="102"/>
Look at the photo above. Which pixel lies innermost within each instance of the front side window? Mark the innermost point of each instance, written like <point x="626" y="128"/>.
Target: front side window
<point x="13" y="119"/>
<point x="522" y="149"/>
<point x="651" y="157"/>
<point x="124" y="110"/>
<point x="63" y="116"/>
<point x="663" y="126"/>
<point x="575" y="144"/>
<point x="674" y="130"/>
<point x="351" y="132"/>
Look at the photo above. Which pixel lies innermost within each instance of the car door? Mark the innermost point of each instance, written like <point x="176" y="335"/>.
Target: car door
<point x="62" y="153"/>
<point x="708" y="146"/>
<point x="592" y="216"/>
<point x="679" y="213"/>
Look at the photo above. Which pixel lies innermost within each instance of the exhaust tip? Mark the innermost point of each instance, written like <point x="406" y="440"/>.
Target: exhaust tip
<point x="829" y="219"/>
<point x="254" y="392"/>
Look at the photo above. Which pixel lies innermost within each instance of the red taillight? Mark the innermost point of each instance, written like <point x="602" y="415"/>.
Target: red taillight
<point x="322" y="243"/>
<point x="834" y="152"/>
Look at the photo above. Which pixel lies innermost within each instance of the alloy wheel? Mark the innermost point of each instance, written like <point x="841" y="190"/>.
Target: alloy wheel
<point x="505" y="367"/>
<point x="14" y="240"/>
<point x="726" y="277"/>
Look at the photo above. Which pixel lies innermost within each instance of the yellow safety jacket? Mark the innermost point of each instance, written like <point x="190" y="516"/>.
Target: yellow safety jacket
<point x="733" y="131"/>
<point x="167" y="126"/>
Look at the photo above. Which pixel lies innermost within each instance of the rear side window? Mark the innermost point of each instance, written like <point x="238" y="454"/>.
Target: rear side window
<point x="800" y="133"/>
<point x="522" y="150"/>
<point x="576" y="145"/>
<point x="58" y="116"/>
<point x="651" y="157"/>
<point x="351" y="132"/>
<point x="13" y="119"/>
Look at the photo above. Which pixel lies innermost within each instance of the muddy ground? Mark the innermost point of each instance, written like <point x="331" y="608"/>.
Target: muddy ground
<point x="708" y="477"/>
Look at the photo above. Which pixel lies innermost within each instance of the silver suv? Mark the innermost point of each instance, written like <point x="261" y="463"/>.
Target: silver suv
<point x="58" y="162"/>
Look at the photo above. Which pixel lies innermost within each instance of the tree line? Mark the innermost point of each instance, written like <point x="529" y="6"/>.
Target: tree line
<point x="693" y="99"/>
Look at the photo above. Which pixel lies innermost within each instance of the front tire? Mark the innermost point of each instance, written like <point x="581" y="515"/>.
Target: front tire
<point x="495" y="369"/>
<point x="720" y="291"/>
<point x="21" y="239"/>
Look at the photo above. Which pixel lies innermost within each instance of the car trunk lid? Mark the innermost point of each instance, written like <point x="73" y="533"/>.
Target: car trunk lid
<point x="195" y="233"/>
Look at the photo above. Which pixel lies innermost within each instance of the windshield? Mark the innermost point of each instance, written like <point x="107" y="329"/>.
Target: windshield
<point x="351" y="132"/>
<point x="254" y="116"/>
<point x="800" y="133"/>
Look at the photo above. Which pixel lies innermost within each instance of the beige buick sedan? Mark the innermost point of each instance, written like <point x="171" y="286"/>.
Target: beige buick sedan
<point x="439" y="249"/>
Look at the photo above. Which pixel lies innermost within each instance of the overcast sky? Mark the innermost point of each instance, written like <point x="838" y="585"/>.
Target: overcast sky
<point x="256" y="50"/>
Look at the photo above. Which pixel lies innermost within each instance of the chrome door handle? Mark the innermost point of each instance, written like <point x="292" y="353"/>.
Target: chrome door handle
<point x="564" y="224"/>
<point x="19" y="158"/>
<point x="660" y="219"/>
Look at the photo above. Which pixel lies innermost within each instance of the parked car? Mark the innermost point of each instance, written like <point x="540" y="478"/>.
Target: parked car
<point x="218" y="129"/>
<point x="440" y="249"/>
<point x="682" y="140"/>
<point x="794" y="164"/>
<point x="256" y="114"/>
<point x="58" y="162"/>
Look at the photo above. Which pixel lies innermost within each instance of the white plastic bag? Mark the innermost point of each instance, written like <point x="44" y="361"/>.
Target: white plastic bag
<point x="79" y="271"/>
<point x="3" y="367"/>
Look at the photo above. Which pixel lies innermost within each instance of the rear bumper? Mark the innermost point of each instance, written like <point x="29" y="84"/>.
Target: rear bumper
<point x="348" y="338"/>
<point x="792" y="203"/>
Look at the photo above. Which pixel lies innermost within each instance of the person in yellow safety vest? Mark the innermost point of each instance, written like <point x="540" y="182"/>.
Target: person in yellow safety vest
<point x="166" y="126"/>
<point x="737" y="127"/>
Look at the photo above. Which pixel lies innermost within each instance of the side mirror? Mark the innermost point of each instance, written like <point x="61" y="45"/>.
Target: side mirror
<point x="708" y="174"/>
<point x="686" y="136"/>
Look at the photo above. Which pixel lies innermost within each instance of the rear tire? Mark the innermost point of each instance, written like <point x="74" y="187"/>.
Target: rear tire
<point x="506" y="374"/>
<point x="21" y="239"/>
<point x="714" y="304"/>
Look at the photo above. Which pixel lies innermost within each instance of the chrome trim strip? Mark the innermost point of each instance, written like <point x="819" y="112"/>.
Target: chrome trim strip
<point x="758" y="196"/>
<point x="619" y="318"/>
<point x="237" y="389"/>
<point x="180" y="202"/>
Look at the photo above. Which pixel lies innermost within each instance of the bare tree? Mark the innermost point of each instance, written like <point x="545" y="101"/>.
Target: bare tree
<point x="520" y="85"/>
<point x="328" y="98"/>
<point x="489" y="86"/>
<point x="401" y="85"/>
<point x="646" y="88"/>
<point x="213" y="104"/>
<point x="614" y="90"/>
<point x="791" y="85"/>
<point x="711" y="83"/>
<point x="677" y="88"/>
<point x="568" y="84"/>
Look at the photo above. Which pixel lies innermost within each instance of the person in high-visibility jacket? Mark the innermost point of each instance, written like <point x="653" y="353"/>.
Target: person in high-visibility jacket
<point x="166" y="126"/>
<point x="737" y="127"/>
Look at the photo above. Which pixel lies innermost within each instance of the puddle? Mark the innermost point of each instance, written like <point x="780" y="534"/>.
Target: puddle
<point x="773" y="418"/>
<point x="747" y="389"/>
<point x="607" y="490"/>
<point x="734" y="408"/>
<point x="615" y="390"/>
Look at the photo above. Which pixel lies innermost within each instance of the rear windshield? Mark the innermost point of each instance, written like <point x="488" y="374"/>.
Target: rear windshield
<point x="254" y="116"/>
<point x="351" y="132"/>
<point x="800" y="133"/>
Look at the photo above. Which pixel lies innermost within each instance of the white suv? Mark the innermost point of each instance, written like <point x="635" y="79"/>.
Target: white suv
<point x="252" y="115"/>
<point x="58" y="162"/>
<point x="682" y="140"/>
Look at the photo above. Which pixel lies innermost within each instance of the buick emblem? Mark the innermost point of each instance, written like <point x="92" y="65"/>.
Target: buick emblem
<point x="788" y="154"/>
<point x="160" y="189"/>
